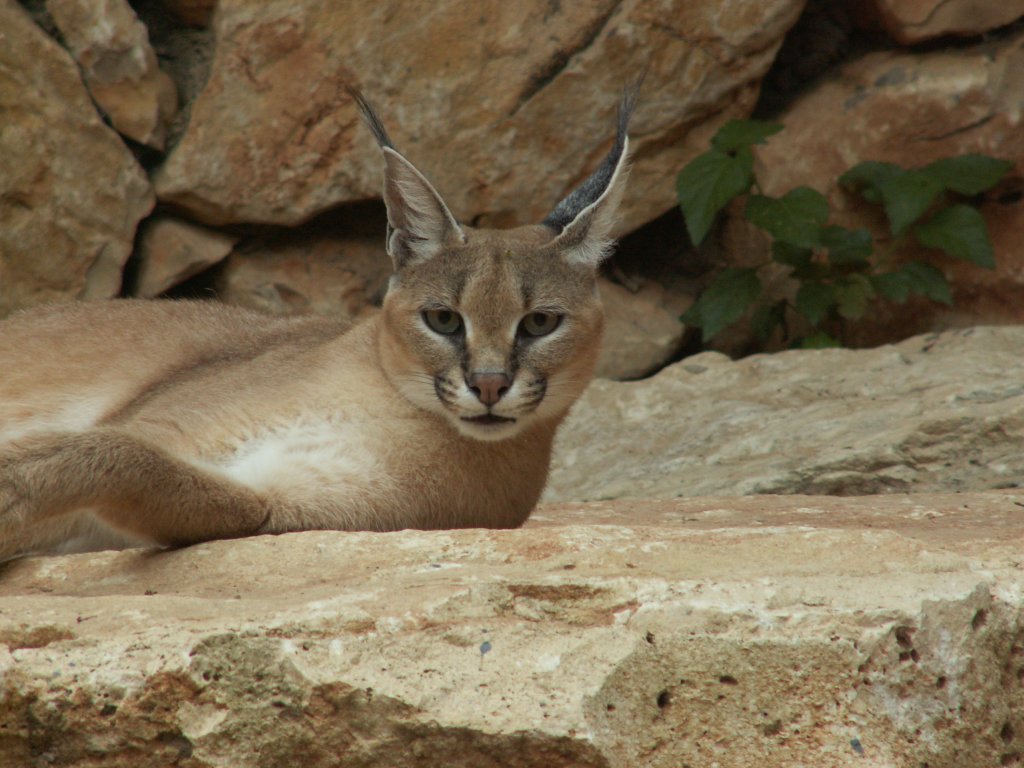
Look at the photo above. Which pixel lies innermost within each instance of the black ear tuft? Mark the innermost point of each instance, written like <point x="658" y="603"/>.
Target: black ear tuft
<point x="370" y="118"/>
<point x="419" y="223"/>
<point x="591" y="190"/>
<point x="584" y="220"/>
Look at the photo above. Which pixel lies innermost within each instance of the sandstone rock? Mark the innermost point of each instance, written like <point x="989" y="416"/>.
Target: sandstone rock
<point x="171" y="251"/>
<point x="911" y="110"/>
<point x="197" y="13"/>
<point x="112" y="47"/>
<point x="913" y="21"/>
<point x="71" y="194"/>
<point x="776" y="631"/>
<point x="642" y="328"/>
<point x="940" y="412"/>
<point x="323" y="274"/>
<point x="504" y="106"/>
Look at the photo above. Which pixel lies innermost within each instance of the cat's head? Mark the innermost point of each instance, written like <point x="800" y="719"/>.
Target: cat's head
<point x="494" y="329"/>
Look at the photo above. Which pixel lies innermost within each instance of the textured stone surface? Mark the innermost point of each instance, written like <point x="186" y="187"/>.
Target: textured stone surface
<point x="911" y="110"/>
<point x="642" y="328"/>
<point x="171" y="251"/>
<point x="931" y="413"/>
<point x="120" y="69"/>
<point x="777" y="631"/>
<point x="504" y="106"/>
<point x="71" y="194"/>
<point x="318" y="273"/>
<point x="913" y="21"/>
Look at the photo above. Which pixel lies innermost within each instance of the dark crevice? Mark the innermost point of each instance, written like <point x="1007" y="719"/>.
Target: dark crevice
<point x="956" y="131"/>
<point x="561" y="60"/>
<point x="184" y="52"/>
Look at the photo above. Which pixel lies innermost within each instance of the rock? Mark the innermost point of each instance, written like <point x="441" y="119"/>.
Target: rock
<point x="912" y="110"/>
<point x="197" y="13"/>
<point x="323" y="274"/>
<point x="505" y="108"/>
<point x="642" y="329"/>
<point x="772" y="631"/>
<point x="914" y="21"/>
<point x="939" y="412"/>
<point x="171" y="251"/>
<point x="71" y="194"/>
<point x="112" y="47"/>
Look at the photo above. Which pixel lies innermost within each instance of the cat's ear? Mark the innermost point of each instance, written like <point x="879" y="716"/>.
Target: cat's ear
<point x="585" y="218"/>
<point x="419" y="223"/>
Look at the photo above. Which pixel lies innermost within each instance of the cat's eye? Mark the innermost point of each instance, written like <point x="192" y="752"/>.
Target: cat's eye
<point x="443" y="321"/>
<point x="539" y="323"/>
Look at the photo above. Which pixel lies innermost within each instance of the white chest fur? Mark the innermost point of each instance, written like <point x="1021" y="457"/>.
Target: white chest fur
<point x="308" y="455"/>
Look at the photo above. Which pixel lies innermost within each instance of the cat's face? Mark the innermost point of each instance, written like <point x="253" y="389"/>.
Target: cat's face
<point x="494" y="333"/>
<point x="494" y="330"/>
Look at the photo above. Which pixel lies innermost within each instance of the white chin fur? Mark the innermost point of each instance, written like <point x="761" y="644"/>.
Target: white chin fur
<point x="488" y="433"/>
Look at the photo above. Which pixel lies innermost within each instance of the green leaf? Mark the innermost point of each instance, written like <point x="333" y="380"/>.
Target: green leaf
<point x="853" y="294"/>
<point x="724" y="301"/>
<point x="796" y="217"/>
<point x="926" y="280"/>
<point x="906" y="197"/>
<point x="968" y="174"/>
<point x="959" y="231"/>
<point x="868" y="177"/>
<point x="767" y="318"/>
<point x="814" y="300"/>
<point x="692" y="315"/>
<point x="707" y="183"/>
<point x="737" y="134"/>
<point x="847" y="247"/>
<point x="818" y="340"/>
<point x="894" y="286"/>
<point x="792" y="255"/>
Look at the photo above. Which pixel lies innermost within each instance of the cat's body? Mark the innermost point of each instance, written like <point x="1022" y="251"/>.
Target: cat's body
<point x="135" y="422"/>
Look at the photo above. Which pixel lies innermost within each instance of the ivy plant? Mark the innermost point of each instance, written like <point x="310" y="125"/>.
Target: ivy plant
<point x="839" y="270"/>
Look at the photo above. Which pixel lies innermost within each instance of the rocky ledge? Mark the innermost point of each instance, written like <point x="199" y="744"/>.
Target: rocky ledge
<point x="770" y="631"/>
<point x="934" y="413"/>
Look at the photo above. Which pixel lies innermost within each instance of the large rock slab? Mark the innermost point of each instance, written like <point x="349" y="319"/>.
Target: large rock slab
<point x="882" y="631"/>
<point x="505" y="106"/>
<point x="912" y="110"/>
<point x="937" y="412"/>
<point x="71" y="193"/>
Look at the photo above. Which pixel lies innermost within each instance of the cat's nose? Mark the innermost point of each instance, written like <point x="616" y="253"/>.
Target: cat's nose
<point x="489" y="388"/>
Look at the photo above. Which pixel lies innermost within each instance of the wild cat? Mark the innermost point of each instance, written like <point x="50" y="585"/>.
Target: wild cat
<point x="130" y="423"/>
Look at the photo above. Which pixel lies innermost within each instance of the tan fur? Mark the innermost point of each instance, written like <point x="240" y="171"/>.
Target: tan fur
<point x="131" y="422"/>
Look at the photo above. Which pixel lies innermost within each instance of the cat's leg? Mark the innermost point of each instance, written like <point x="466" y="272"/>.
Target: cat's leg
<point x="133" y="486"/>
<point x="66" y="534"/>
